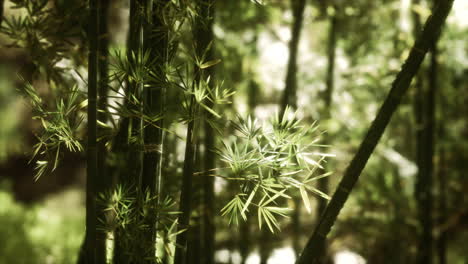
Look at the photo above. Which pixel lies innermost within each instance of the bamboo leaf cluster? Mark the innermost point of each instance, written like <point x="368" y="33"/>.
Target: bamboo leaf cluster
<point x="130" y="212"/>
<point x="268" y="162"/>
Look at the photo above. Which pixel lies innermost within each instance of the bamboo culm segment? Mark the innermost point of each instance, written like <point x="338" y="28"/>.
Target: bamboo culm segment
<point x="91" y="169"/>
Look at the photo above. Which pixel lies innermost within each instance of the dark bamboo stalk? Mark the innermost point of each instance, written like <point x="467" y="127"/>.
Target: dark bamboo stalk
<point x="91" y="169"/>
<point x="427" y="166"/>
<point x="442" y="239"/>
<point x="432" y="29"/>
<point x="186" y="190"/>
<point x="195" y="240"/>
<point x="265" y="240"/>
<point x="103" y="181"/>
<point x="203" y="35"/>
<point x="289" y="95"/>
<point x="419" y="109"/>
<point x="245" y="240"/>
<point x="128" y="166"/>
<point x="424" y="183"/>
<point x="155" y="39"/>
<point x="443" y="177"/>
<point x="290" y="98"/>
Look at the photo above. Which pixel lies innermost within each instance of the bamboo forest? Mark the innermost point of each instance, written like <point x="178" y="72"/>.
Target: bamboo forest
<point x="233" y="131"/>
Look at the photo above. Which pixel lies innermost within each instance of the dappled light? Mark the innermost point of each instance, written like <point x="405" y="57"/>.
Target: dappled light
<point x="233" y="132"/>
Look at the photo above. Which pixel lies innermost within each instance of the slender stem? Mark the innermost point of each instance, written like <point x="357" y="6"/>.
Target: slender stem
<point x="289" y="95"/>
<point x="327" y="98"/>
<point x="186" y="191"/>
<point x="290" y="98"/>
<point x="129" y="158"/>
<point x="442" y="239"/>
<point x="155" y="41"/>
<point x="203" y="36"/>
<point x="432" y="28"/>
<point x="102" y="182"/>
<point x="91" y="179"/>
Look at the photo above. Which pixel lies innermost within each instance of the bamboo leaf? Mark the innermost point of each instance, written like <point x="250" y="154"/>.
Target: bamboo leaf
<point x="209" y="63"/>
<point x="320" y="193"/>
<point x="249" y="200"/>
<point x="305" y="198"/>
<point x="210" y="110"/>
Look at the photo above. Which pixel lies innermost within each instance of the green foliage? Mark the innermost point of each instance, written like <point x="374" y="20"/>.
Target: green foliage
<point x="47" y="233"/>
<point x="46" y="32"/>
<point x="49" y="34"/>
<point x="129" y="213"/>
<point x="61" y="126"/>
<point x="270" y="161"/>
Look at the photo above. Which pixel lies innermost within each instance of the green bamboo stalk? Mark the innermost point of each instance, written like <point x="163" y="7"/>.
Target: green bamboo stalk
<point x="91" y="172"/>
<point x="155" y="41"/>
<point x="432" y="29"/>
<point x="128" y="167"/>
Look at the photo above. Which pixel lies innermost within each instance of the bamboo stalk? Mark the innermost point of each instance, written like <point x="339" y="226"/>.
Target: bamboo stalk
<point x="203" y="36"/>
<point x="91" y="177"/>
<point x="102" y="182"/>
<point x="186" y="190"/>
<point x="290" y="98"/>
<point x="155" y="39"/>
<point x="128" y="171"/>
<point x="290" y="91"/>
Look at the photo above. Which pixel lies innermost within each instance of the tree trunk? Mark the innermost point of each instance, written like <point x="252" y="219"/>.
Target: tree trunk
<point x="312" y="251"/>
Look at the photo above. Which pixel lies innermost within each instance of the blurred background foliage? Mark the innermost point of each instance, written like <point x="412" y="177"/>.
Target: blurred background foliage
<point x="43" y="221"/>
<point x="49" y="232"/>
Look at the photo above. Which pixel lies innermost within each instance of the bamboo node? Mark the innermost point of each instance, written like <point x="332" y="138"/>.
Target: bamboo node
<point x="151" y="148"/>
